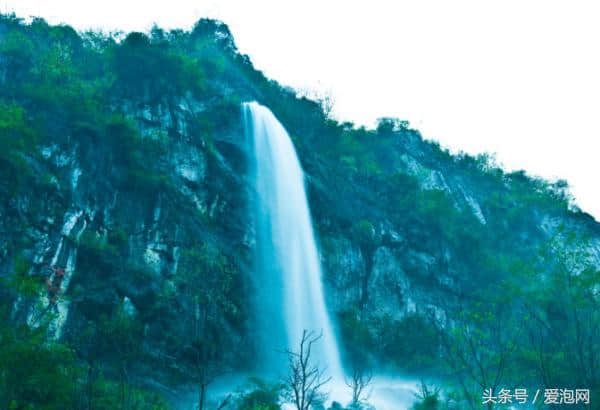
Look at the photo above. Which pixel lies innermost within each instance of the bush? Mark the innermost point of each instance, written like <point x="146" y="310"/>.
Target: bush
<point x="95" y="253"/>
<point x="17" y="146"/>
<point x="35" y="373"/>
<point x="428" y="399"/>
<point x="264" y="396"/>
<point x="17" y="52"/>
<point x="152" y="71"/>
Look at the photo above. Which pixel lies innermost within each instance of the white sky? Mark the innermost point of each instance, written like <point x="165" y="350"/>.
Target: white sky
<point x="517" y="77"/>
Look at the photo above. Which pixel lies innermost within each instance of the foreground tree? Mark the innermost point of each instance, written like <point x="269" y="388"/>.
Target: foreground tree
<point x="538" y="326"/>
<point x="428" y="398"/>
<point x="359" y="383"/>
<point x="35" y="372"/>
<point x="204" y="284"/>
<point x="304" y="383"/>
<point x="564" y="329"/>
<point x="480" y="348"/>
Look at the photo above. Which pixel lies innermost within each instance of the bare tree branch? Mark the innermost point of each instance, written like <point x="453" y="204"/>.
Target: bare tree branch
<point x="305" y="380"/>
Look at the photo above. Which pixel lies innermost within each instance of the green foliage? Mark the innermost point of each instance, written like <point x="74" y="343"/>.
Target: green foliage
<point x="17" y="50"/>
<point x="122" y="332"/>
<point x="388" y="126"/>
<point x="153" y="70"/>
<point x="535" y="327"/>
<point x="55" y="68"/>
<point x="428" y="403"/>
<point x="208" y="278"/>
<point x="410" y="343"/>
<point x="428" y="399"/>
<point x="36" y="373"/>
<point x="565" y="317"/>
<point x="95" y="253"/>
<point x="364" y="232"/>
<point x="17" y="145"/>
<point x="33" y="373"/>
<point x="131" y="153"/>
<point x="105" y="395"/>
<point x="357" y="153"/>
<point x="21" y="281"/>
<point x="359" y="340"/>
<point x="401" y="191"/>
<point x="118" y="238"/>
<point x="262" y="396"/>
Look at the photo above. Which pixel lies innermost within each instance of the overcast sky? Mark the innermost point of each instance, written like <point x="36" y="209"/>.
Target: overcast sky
<point x="520" y="78"/>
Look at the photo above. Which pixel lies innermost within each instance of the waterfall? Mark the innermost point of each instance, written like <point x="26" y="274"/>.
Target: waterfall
<point x="290" y="291"/>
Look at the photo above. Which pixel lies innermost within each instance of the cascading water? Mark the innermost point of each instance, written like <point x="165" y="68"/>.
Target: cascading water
<point x="291" y="297"/>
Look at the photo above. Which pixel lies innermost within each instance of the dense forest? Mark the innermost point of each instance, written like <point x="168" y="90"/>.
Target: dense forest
<point x="123" y="168"/>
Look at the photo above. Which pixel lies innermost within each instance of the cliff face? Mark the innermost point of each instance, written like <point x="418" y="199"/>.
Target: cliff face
<point x="130" y="179"/>
<point x="120" y="236"/>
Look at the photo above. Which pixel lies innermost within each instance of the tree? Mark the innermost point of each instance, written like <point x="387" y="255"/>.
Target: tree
<point x="35" y="372"/>
<point x="480" y="347"/>
<point x="564" y="330"/>
<point x="123" y="333"/>
<point x="262" y="396"/>
<point x="323" y="97"/>
<point x="305" y="380"/>
<point x="358" y="383"/>
<point x="389" y="125"/>
<point x="368" y="240"/>
<point x="204" y="282"/>
<point x="18" y="52"/>
<point x="428" y="398"/>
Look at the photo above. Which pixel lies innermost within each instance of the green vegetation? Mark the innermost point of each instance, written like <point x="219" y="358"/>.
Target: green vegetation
<point x="263" y="396"/>
<point x="33" y="374"/>
<point x="36" y="373"/>
<point x="16" y="138"/>
<point x="411" y="343"/>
